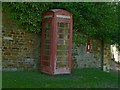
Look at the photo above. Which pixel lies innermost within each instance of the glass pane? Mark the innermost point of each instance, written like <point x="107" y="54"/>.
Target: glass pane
<point x="62" y="36"/>
<point x="61" y="64"/>
<point x="46" y="51"/>
<point x="62" y="45"/>
<point x="47" y="42"/>
<point x="62" y="52"/>
<point x="47" y="34"/>
<point x="47" y="25"/>
<point x="64" y="25"/>
<point x="63" y="31"/>
<point x="62" y="58"/>
<point x="47" y="46"/>
<point x="46" y="63"/>
<point x="62" y="42"/>
<point x="46" y="57"/>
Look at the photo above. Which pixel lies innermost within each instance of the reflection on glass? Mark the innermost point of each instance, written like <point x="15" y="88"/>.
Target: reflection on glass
<point x="46" y="57"/>
<point x="62" y="45"/>
<point x="62" y="52"/>
<point x="47" y="51"/>
<point x="47" y="35"/>
<point x="46" y="63"/>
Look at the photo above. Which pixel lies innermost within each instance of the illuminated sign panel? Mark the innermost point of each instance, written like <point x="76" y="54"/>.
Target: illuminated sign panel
<point x="63" y="16"/>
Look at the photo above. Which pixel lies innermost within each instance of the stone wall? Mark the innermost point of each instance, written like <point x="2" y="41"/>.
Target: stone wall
<point x="92" y="59"/>
<point x="97" y="53"/>
<point x="85" y="59"/>
<point x="20" y="49"/>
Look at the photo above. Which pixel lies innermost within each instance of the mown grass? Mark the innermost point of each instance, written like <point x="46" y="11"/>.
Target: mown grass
<point x="80" y="78"/>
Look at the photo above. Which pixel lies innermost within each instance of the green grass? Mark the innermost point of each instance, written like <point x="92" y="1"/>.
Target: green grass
<point x="80" y="78"/>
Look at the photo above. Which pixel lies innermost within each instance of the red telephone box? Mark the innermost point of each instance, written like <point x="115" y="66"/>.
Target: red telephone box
<point x="56" y="49"/>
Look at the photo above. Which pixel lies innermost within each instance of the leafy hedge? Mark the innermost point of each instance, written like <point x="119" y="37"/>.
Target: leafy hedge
<point x="97" y="20"/>
<point x="27" y="15"/>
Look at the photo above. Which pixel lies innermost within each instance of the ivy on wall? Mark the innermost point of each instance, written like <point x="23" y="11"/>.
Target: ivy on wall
<point x="97" y="20"/>
<point x="27" y="15"/>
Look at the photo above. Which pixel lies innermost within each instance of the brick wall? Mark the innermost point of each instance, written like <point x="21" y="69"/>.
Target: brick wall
<point x="21" y="49"/>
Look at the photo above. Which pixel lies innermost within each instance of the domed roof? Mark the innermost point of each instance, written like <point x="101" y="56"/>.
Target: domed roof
<point x="55" y="10"/>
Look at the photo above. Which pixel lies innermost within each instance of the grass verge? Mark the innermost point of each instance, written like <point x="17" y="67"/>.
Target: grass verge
<point x="79" y="78"/>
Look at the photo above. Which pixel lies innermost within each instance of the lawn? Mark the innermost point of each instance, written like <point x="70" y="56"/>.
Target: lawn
<point x="80" y="78"/>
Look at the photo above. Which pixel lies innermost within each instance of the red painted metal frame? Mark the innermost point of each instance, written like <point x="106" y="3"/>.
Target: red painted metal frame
<point x="88" y="46"/>
<point x="53" y="45"/>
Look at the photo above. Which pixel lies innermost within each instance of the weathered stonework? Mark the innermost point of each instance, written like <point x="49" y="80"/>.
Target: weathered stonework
<point x="74" y="54"/>
<point x="92" y="59"/>
<point x="97" y="53"/>
<point x="20" y="49"/>
<point x="85" y="59"/>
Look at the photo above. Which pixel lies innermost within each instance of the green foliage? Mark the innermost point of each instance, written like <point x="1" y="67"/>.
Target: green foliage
<point x="79" y="38"/>
<point x="97" y="20"/>
<point x="116" y="35"/>
<point x="26" y="14"/>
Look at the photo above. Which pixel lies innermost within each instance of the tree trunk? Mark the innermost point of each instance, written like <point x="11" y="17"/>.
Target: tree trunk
<point x="102" y="54"/>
